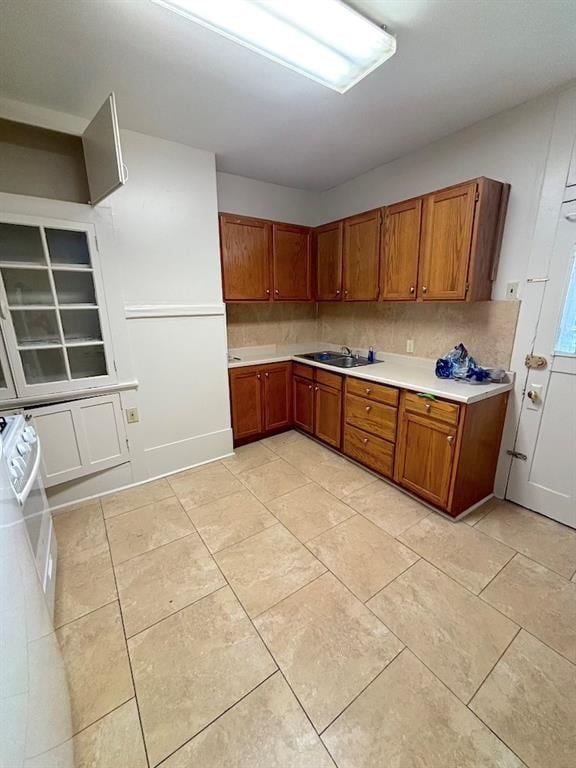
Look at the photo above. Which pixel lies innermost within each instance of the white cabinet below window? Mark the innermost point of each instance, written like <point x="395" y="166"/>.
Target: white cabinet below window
<point x="80" y="438"/>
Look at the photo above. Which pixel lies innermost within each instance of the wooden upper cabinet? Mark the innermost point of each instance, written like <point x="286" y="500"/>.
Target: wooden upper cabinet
<point x="328" y="252"/>
<point x="361" y="257"/>
<point x="400" y="251"/>
<point x="446" y="242"/>
<point x="292" y="262"/>
<point x="245" y="248"/>
<point x="277" y="396"/>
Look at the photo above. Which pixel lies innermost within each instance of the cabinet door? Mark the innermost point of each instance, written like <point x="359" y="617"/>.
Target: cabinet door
<point x="303" y="404"/>
<point x="245" y="251"/>
<point x="80" y="438"/>
<point x="361" y="262"/>
<point x="292" y="262"/>
<point x="103" y="153"/>
<point x="328" y="414"/>
<point x="246" y="403"/>
<point x="328" y="249"/>
<point x="446" y="242"/>
<point x="400" y="251"/>
<point x="426" y="457"/>
<point x="277" y="396"/>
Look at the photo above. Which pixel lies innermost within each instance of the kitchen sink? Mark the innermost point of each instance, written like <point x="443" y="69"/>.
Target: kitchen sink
<point x="336" y="358"/>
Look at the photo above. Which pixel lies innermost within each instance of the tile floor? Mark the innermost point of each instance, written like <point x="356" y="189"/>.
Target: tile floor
<point x="284" y="608"/>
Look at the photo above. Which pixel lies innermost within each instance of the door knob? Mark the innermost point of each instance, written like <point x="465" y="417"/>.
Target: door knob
<point x="534" y="396"/>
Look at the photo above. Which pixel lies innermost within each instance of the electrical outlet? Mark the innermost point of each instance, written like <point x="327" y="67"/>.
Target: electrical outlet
<point x="410" y="345"/>
<point x="132" y="416"/>
<point x="512" y="290"/>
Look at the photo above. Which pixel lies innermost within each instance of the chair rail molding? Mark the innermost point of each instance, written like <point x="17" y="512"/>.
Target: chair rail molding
<point x="139" y="311"/>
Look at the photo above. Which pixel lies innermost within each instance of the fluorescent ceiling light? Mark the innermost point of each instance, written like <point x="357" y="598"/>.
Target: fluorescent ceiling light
<point x="324" y="40"/>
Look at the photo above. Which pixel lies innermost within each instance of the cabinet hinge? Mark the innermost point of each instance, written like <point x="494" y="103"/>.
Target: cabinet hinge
<point x="466" y="287"/>
<point x="115" y="366"/>
<point x="517" y="455"/>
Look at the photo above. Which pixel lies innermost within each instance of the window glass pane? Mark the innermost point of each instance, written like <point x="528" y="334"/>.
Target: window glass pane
<point x="43" y="365"/>
<point x="86" y="362"/>
<point x="21" y="243"/>
<point x="81" y="325"/>
<point x="74" y="287"/>
<point x="27" y="286"/>
<point x="68" y="247"/>
<point x="36" y="326"/>
<point x="566" y="343"/>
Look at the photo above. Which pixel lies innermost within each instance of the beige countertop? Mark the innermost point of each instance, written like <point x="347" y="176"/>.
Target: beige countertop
<point x="405" y="372"/>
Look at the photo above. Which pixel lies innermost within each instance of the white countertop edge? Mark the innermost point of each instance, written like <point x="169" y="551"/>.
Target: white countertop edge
<point x="449" y="389"/>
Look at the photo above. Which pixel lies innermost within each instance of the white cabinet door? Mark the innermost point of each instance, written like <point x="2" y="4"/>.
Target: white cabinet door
<point x="7" y="388"/>
<point x="80" y="438"/>
<point x="103" y="153"/>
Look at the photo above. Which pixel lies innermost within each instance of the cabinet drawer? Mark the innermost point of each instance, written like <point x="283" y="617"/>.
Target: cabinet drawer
<point x="436" y="409"/>
<point x="376" y="418"/>
<point x="305" y="371"/>
<point x="329" y="379"/>
<point x="372" y="451"/>
<point x="378" y="392"/>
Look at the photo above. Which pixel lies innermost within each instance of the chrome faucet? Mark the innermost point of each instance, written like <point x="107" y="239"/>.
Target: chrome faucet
<point x="346" y="350"/>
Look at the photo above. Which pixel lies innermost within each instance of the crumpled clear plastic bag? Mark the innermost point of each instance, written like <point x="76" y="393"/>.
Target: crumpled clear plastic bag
<point x="459" y="364"/>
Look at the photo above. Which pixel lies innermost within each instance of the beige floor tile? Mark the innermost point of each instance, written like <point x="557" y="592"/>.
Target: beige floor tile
<point x="84" y="582"/>
<point x="454" y="633"/>
<point x="161" y="582"/>
<point x="273" y="479"/>
<point x="267" y="729"/>
<point x="480" y="512"/>
<point x="267" y="568"/>
<point x="132" y="498"/>
<point x="339" y="476"/>
<point x="309" y="511"/>
<point x="529" y="701"/>
<point x="249" y="457"/>
<point x="146" y="528"/>
<point x="204" y="484"/>
<point x="302" y="453"/>
<point x="362" y="555"/>
<point x="540" y="600"/>
<point x="96" y="662"/>
<point x="230" y="520"/>
<point x="539" y="538"/>
<point x="460" y="550"/>
<point x="275" y="442"/>
<point x="328" y="645"/>
<point x="192" y="666"/>
<point x="387" y="507"/>
<point x="79" y="528"/>
<point x="407" y="718"/>
<point x="114" y="741"/>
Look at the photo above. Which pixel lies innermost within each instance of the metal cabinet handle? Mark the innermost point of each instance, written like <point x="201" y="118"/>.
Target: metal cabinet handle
<point x="424" y="289"/>
<point x="266" y="374"/>
<point x="365" y="441"/>
<point x="345" y="293"/>
<point x="268" y="291"/>
<point x="277" y="292"/>
<point x="368" y="390"/>
<point x="450" y="439"/>
<point x="338" y="292"/>
<point x="315" y="389"/>
<point x="258" y="376"/>
<point x="428" y="407"/>
<point x="309" y="386"/>
<point x="412" y="289"/>
<point x="368" y="408"/>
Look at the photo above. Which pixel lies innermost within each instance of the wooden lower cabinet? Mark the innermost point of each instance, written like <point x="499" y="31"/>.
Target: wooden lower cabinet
<point x="303" y="403"/>
<point x="374" y="452"/>
<point x="261" y="401"/>
<point x="328" y="414"/>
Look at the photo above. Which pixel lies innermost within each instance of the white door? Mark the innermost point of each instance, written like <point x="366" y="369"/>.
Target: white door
<point x="545" y="480"/>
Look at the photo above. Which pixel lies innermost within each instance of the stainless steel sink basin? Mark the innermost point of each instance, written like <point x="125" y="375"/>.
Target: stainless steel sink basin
<point x="336" y="358"/>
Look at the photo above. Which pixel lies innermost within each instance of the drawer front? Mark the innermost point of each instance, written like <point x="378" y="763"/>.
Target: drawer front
<point x="435" y="409"/>
<point x="305" y="371"/>
<point x="378" y="392"/>
<point x="376" y="418"/>
<point x="372" y="451"/>
<point x="329" y="379"/>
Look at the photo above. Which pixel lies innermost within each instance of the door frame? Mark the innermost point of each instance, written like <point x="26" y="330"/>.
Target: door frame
<point x="550" y="201"/>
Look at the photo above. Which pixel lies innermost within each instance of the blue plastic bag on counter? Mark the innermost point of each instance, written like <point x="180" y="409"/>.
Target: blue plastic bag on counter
<point x="459" y="364"/>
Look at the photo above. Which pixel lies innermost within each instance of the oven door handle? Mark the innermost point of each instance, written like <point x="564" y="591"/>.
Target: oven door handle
<point x="23" y="495"/>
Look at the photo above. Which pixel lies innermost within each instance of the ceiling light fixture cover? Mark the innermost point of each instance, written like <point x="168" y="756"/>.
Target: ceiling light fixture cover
<point x="325" y="40"/>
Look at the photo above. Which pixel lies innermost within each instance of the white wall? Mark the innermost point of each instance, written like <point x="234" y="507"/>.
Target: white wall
<point x="250" y="197"/>
<point x="510" y="147"/>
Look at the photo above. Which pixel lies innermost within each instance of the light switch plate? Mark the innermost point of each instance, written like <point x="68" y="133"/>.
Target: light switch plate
<point x="132" y="416"/>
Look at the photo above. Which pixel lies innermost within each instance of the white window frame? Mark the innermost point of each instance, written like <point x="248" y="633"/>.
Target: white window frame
<point x="22" y="388"/>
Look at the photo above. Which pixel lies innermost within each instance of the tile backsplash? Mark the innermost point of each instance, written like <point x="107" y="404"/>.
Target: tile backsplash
<point x="486" y="328"/>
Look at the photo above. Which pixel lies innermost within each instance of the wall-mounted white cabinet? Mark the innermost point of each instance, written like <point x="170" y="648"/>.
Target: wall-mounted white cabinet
<point x="80" y="438"/>
<point x="52" y="308"/>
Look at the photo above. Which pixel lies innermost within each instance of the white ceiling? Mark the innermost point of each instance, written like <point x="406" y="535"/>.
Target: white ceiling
<point x="458" y="61"/>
